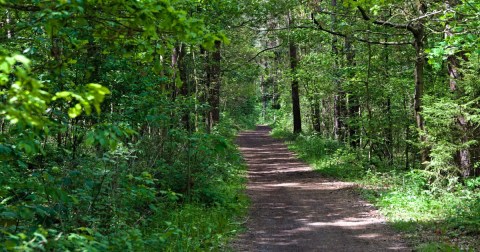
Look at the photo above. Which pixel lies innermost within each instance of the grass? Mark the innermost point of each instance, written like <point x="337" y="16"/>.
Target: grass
<point x="196" y="228"/>
<point x="433" y="218"/>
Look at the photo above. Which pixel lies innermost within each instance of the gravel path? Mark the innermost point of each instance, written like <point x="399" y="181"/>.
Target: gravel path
<point x="295" y="209"/>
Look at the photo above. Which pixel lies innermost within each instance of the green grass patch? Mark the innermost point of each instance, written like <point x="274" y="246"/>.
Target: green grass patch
<point x="194" y="227"/>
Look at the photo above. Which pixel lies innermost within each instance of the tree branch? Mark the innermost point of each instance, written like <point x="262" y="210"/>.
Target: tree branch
<point x="253" y="58"/>
<point x="320" y="27"/>
<point x="244" y="23"/>
<point x="426" y="15"/>
<point x="20" y="7"/>
<point x="383" y="23"/>
<point x="264" y="50"/>
<point x="337" y="14"/>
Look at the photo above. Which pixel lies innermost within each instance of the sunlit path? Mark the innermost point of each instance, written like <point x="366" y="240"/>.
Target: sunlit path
<point x="294" y="209"/>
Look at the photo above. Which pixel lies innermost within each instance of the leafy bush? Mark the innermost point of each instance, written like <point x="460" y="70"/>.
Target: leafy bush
<point x="105" y="190"/>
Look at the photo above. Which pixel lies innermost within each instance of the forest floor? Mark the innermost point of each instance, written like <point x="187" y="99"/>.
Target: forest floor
<point x="293" y="208"/>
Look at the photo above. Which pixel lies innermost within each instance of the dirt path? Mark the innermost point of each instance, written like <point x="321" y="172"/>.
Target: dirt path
<point x="295" y="209"/>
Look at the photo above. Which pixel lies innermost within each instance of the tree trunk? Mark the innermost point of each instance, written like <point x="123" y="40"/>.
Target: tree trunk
<point x="314" y="104"/>
<point x="297" y="120"/>
<point x="354" y="106"/>
<point x="263" y="90"/>
<point x="185" y="89"/>
<point x="175" y="68"/>
<point x="389" y="132"/>
<point x="368" y="129"/>
<point x="389" y="129"/>
<point x="407" y="137"/>
<point x="205" y="88"/>
<point x="8" y="21"/>
<point x="464" y="156"/>
<point x="339" y="97"/>
<point x="419" y="36"/>
<point x="196" y="88"/>
<point x="214" y="87"/>
<point x="316" y="117"/>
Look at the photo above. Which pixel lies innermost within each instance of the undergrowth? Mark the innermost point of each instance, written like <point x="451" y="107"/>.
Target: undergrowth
<point x="433" y="217"/>
<point x="185" y="194"/>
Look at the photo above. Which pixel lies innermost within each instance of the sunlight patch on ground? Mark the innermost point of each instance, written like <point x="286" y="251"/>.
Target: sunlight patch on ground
<point x="369" y="236"/>
<point x="349" y="223"/>
<point x="286" y="185"/>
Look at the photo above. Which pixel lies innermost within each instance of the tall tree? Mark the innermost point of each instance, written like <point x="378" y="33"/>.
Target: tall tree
<point x="417" y="29"/>
<point x="297" y="120"/>
<point x="453" y="65"/>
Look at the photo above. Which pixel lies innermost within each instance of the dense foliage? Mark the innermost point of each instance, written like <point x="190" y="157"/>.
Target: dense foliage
<point x="396" y="79"/>
<point x="109" y="137"/>
<point x="117" y="117"/>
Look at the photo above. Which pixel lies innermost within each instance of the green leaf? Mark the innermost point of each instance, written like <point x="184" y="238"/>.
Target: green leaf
<point x="75" y="110"/>
<point x="22" y="59"/>
<point x="64" y="94"/>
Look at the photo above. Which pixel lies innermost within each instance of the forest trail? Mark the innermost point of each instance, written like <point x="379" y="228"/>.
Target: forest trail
<point x="295" y="209"/>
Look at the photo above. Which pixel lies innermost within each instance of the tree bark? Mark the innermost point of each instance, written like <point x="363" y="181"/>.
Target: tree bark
<point x="297" y="120"/>
<point x="263" y="90"/>
<point x="453" y="63"/>
<point x="419" y="36"/>
<point x="389" y="129"/>
<point x="185" y="89"/>
<point x="354" y="105"/>
<point x="214" y="86"/>
<point x="316" y="117"/>
<point x="314" y="104"/>
<point x="174" y="66"/>
<point x="8" y="21"/>
<point x="339" y="97"/>
<point x="407" y="137"/>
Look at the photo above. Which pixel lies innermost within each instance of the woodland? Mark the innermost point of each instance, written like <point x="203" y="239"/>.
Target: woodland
<point x="118" y="118"/>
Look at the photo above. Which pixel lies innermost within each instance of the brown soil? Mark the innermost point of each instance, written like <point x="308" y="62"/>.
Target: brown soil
<point x="296" y="209"/>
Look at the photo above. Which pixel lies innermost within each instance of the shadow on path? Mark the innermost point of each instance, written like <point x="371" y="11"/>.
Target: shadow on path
<point x="295" y="209"/>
